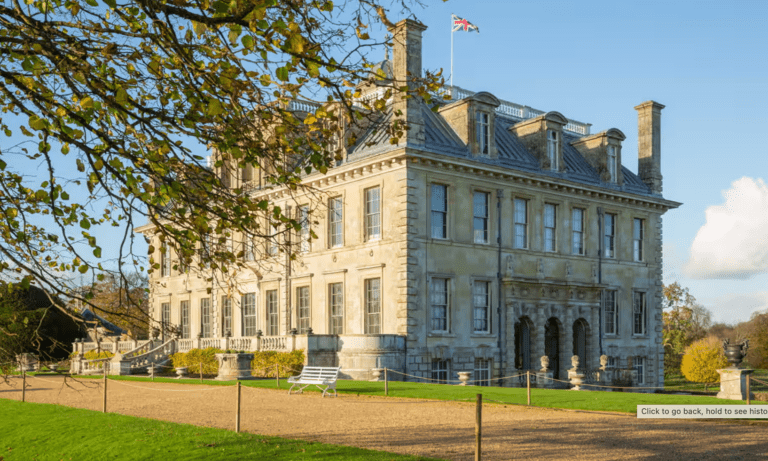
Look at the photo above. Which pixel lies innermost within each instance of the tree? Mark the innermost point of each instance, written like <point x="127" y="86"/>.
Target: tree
<point x="702" y="359"/>
<point x="124" y="96"/>
<point x="685" y="321"/>
<point x="29" y="322"/>
<point x="124" y="303"/>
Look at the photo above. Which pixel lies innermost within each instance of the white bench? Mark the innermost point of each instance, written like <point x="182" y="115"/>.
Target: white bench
<point x="318" y="376"/>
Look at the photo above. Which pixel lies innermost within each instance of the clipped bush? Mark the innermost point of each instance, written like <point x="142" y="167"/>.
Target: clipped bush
<point x="289" y="363"/>
<point x="94" y="355"/>
<point x="195" y="357"/>
<point x="702" y="359"/>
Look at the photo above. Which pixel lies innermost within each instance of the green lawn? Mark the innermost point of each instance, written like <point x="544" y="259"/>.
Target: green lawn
<point x="36" y="431"/>
<point x="626" y="402"/>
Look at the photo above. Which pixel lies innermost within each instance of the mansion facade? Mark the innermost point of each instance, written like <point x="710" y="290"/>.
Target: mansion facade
<point x="492" y="234"/>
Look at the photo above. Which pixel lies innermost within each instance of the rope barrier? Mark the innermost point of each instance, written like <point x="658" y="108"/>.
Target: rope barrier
<point x="454" y="380"/>
<point x="212" y="388"/>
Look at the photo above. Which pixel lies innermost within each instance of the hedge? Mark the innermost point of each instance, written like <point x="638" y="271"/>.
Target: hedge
<point x="263" y="364"/>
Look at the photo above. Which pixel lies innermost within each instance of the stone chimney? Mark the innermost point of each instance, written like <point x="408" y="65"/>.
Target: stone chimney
<point x="406" y="69"/>
<point x="649" y="144"/>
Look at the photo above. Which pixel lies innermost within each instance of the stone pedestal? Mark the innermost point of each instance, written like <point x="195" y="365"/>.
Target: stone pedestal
<point x="376" y="374"/>
<point x="544" y="379"/>
<point x="576" y="377"/>
<point x="234" y="366"/>
<point x="733" y="384"/>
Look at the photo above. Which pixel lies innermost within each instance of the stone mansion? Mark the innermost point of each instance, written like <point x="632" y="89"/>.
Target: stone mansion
<point x="492" y="234"/>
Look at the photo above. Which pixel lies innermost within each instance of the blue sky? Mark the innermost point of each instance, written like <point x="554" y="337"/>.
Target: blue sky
<point x="593" y="61"/>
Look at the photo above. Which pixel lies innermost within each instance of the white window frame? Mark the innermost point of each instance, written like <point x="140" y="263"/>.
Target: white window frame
<point x="483" y="132"/>
<point x="482" y="372"/>
<point x="611" y="312"/>
<point x="205" y="317"/>
<point x="335" y="222"/>
<point x="609" y="235"/>
<point x="550" y="227"/>
<point x="303" y="309"/>
<point x="481" y="324"/>
<point x="372" y="213"/>
<point x="248" y="309"/>
<point x="184" y="308"/>
<point x="612" y="163"/>
<point x="438" y="214"/>
<point x="638" y="236"/>
<point x="271" y="239"/>
<point x="304" y="232"/>
<point x="372" y="303"/>
<point x="440" y="371"/>
<point x="639" y="366"/>
<point x="577" y="231"/>
<point x="437" y="286"/>
<point x="273" y="312"/>
<point x="639" y="313"/>
<point x="226" y="315"/>
<point x="336" y="303"/>
<point x="165" y="261"/>
<point x="249" y="249"/>
<point x="165" y="317"/>
<point x="521" y="223"/>
<point x="553" y="149"/>
<point x="480" y="216"/>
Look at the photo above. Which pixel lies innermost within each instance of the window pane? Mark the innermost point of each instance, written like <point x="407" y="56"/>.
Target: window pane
<point x="372" y="213"/>
<point x="337" y="308"/>
<point x="373" y="306"/>
<point x="226" y="315"/>
<point x="439" y="211"/>
<point x="302" y="305"/>
<point x="336" y="222"/>
<point x="480" y="302"/>
<point x="550" y="236"/>
<point x="439" y="301"/>
<point x="577" y="228"/>
<point x="205" y="312"/>
<point x="480" y="222"/>
<point x="272" y="313"/>
<point x="521" y="223"/>
<point x="248" y="306"/>
<point x="185" y="319"/>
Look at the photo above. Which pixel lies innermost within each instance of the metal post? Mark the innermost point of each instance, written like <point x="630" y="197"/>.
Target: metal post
<point x="478" y="427"/>
<point x="528" y="385"/>
<point x="23" y="384"/>
<point x="237" y="421"/>
<point x="386" y="382"/>
<point x="104" y="406"/>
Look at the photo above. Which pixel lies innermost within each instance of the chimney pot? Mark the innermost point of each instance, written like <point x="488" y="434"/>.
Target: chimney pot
<point x="649" y="144"/>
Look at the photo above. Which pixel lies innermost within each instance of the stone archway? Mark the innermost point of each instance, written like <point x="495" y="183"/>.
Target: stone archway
<point x="552" y="345"/>
<point x="523" y="348"/>
<point x="580" y="331"/>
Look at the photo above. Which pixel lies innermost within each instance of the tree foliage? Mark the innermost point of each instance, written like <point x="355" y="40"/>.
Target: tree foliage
<point x="124" y="302"/>
<point x="116" y="101"/>
<point x="684" y="321"/>
<point x="702" y="359"/>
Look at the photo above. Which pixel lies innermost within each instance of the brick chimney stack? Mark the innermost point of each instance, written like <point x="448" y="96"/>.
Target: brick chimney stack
<point x="649" y="144"/>
<point x="406" y="69"/>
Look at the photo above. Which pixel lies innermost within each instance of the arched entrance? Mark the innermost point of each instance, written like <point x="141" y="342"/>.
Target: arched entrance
<point x="523" y="344"/>
<point x="552" y="345"/>
<point x="580" y="342"/>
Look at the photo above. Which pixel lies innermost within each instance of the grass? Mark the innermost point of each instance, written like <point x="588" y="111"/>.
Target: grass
<point x="36" y="431"/>
<point x="626" y="402"/>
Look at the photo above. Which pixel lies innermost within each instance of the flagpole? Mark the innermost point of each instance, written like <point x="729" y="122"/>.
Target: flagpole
<point x="452" y="56"/>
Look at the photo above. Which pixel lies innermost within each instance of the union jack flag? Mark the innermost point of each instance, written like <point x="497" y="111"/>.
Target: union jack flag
<point x="459" y="23"/>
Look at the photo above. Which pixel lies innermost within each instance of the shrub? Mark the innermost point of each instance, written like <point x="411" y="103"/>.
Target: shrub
<point x="94" y="355"/>
<point x="702" y="359"/>
<point x="289" y="363"/>
<point x="195" y="357"/>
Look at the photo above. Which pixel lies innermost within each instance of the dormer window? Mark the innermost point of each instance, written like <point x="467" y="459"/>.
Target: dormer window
<point x="612" y="163"/>
<point x="553" y="149"/>
<point x="482" y="131"/>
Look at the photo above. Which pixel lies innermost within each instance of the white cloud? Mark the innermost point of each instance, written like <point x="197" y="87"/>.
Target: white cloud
<point x="733" y="243"/>
<point x="733" y="308"/>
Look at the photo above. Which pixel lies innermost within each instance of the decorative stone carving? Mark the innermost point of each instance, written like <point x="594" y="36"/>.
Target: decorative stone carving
<point x="594" y="273"/>
<point x="568" y="270"/>
<point x="234" y="366"/>
<point x="575" y="375"/>
<point x="540" y="269"/>
<point x="575" y="362"/>
<point x="464" y="377"/>
<point x="376" y="374"/>
<point x="603" y="362"/>
<point x="510" y="272"/>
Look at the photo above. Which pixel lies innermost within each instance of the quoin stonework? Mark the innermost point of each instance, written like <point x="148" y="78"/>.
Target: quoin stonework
<point x="491" y="235"/>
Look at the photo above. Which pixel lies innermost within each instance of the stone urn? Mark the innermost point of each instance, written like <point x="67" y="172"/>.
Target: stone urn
<point x="735" y="353"/>
<point x="181" y="372"/>
<point x="376" y="374"/>
<point x="575" y="374"/>
<point x="234" y="366"/>
<point x="464" y="377"/>
<point x="53" y="367"/>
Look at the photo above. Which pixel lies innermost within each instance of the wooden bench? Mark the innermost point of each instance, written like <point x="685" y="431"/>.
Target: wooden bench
<point x="317" y="376"/>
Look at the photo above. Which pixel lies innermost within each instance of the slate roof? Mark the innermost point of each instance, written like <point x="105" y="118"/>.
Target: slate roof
<point x="441" y="139"/>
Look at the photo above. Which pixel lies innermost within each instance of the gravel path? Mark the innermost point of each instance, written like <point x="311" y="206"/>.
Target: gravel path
<point x="430" y="428"/>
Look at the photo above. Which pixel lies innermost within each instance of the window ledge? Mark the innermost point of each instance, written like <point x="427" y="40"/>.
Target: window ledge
<point x="440" y="334"/>
<point x="482" y="335"/>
